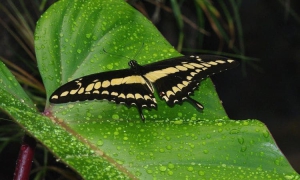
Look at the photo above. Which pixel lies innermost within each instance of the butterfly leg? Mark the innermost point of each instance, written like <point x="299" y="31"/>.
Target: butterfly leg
<point x="195" y="103"/>
<point x="141" y="113"/>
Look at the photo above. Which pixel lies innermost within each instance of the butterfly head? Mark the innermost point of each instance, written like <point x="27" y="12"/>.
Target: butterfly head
<point x="135" y="66"/>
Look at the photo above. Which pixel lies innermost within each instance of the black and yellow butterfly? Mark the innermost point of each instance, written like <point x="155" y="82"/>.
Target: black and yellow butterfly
<point x="174" y="80"/>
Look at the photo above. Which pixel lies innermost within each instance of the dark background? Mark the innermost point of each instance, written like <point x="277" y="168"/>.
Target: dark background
<point x="269" y="93"/>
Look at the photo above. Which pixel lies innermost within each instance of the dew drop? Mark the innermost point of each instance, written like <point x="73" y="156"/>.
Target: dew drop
<point x="171" y="166"/>
<point x="241" y="140"/>
<point x="110" y="66"/>
<point x="115" y="116"/>
<point x="88" y="114"/>
<point x="88" y="35"/>
<point x="201" y="173"/>
<point x="178" y="122"/>
<point x="245" y="123"/>
<point x="161" y="150"/>
<point x="163" y="168"/>
<point x="243" y="148"/>
<point x="168" y="138"/>
<point x="278" y="161"/>
<point x="169" y="147"/>
<point x="171" y="50"/>
<point x="266" y="134"/>
<point x="138" y="173"/>
<point x="288" y="177"/>
<point x="170" y="173"/>
<point x="100" y="143"/>
<point x="205" y="151"/>
<point x="234" y="131"/>
<point x="190" y="168"/>
<point x="259" y="168"/>
<point x="149" y="171"/>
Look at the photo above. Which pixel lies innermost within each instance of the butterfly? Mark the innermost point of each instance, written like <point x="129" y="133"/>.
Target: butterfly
<point x="174" y="79"/>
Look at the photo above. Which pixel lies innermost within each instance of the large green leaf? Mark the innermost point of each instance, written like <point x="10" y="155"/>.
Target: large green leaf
<point x="102" y="140"/>
<point x="70" y="42"/>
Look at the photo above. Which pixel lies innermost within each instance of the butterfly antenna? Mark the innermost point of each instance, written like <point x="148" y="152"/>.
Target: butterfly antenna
<point x="126" y="56"/>
<point x="195" y="103"/>
<point x="138" y="52"/>
<point x="118" y="55"/>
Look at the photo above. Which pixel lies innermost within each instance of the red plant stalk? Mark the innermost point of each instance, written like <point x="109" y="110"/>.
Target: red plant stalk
<point x="25" y="158"/>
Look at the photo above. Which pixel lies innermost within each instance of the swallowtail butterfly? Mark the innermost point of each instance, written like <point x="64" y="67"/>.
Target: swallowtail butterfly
<point x="174" y="79"/>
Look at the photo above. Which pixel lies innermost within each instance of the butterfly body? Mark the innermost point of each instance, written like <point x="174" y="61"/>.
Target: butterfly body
<point x="174" y="80"/>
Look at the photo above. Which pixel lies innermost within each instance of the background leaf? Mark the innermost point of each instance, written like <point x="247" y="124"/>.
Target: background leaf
<point x="97" y="144"/>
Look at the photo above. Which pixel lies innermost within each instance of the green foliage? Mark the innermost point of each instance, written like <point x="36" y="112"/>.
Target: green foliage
<point x="101" y="140"/>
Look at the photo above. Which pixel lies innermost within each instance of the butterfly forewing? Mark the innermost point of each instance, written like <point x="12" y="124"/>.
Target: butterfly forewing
<point x="176" y="78"/>
<point x="121" y="86"/>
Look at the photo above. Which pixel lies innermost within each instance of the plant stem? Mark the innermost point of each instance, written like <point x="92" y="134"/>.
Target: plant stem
<point x="25" y="158"/>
